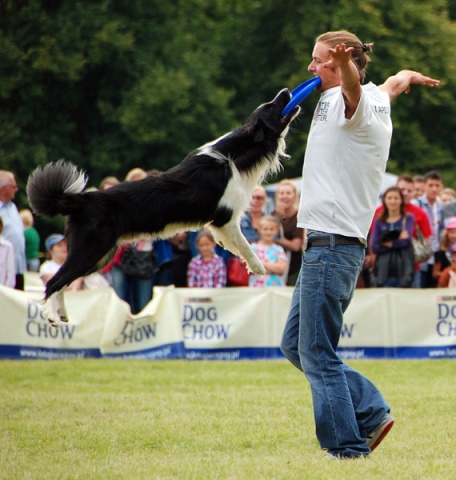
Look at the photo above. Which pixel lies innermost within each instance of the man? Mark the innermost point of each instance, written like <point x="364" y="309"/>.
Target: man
<point x="418" y="185"/>
<point x="430" y="203"/>
<point x="13" y="227"/>
<point x="406" y="186"/>
<point x="346" y="155"/>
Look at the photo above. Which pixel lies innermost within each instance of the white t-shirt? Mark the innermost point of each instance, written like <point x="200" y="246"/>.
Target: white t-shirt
<point x="344" y="163"/>
<point x="92" y="281"/>
<point x="49" y="267"/>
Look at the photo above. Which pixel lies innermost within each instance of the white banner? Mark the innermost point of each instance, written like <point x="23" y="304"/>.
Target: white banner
<point x="424" y="323"/>
<point x="233" y="323"/>
<point x="25" y="333"/>
<point x="229" y="323"/>
<point x="100" y="324"/>
<point x="155" y="333"/>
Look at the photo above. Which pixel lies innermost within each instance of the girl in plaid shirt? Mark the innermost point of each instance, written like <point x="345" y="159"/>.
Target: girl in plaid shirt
<point x="206" y="270"/>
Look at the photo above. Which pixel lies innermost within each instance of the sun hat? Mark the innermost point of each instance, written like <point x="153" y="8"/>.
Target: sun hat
<point x="52" y="240"/>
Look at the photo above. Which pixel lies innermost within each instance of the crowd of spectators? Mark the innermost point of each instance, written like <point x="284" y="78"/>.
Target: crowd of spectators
<point x="192" y="259"/>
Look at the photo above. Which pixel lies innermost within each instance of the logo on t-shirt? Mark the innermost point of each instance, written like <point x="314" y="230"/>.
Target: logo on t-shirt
<point x="321" y="112"/>
<point x="382" y="109"/>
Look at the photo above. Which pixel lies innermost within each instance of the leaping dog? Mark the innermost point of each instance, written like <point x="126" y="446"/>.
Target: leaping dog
<point x="211" y="187"/>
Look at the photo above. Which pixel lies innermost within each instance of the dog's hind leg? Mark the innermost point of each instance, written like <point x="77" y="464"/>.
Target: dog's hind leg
<point x="85" y="262"/>
<point x="230" y="237"/>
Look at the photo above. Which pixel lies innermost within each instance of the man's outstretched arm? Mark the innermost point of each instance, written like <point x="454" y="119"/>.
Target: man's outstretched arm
<point x="401" y="82"/>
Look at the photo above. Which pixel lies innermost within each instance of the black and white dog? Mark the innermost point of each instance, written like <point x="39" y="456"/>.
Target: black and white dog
<point x="212" y="186"/>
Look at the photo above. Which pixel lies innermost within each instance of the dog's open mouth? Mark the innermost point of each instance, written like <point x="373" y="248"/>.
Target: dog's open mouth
<point x="289" y="117"/>
<point x="284" y="98"/>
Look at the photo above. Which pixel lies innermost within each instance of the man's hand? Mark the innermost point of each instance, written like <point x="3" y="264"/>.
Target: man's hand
<point x="340" y="55"/>
<point x="340" y="60"/>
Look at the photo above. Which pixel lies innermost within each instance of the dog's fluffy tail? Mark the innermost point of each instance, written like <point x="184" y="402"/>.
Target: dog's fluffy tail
<point x="51" y="189"/>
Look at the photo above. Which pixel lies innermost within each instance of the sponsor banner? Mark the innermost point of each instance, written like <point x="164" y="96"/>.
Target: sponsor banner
<point x="225" y="324"/>
<point x="155" y="333"/>
<point x="426" y="319"/>
<point x="25" y="332"/>
<point x="233" y="322"/>
<point x="100" y="324"/>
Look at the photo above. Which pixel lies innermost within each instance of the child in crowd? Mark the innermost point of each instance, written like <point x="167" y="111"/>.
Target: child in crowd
<point x="448" y="276"/>
<point x="442" y="258"/>
<point x="207" y="269"/>
<point x="32" y="241"/>
<point x="7" y="262"/>
<point x="271" y="255"/>
<point x="447" y="195"/>
<point x="56" y="247"/>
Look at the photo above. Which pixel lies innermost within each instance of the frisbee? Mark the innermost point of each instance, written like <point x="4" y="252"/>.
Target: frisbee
<point x="300" y="93"/>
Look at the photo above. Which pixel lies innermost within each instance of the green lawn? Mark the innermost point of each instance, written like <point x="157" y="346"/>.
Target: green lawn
<point x="129" y="419"/>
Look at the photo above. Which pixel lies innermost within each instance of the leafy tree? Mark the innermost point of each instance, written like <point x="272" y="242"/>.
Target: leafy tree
<point x="109" y="85"/>
<point x="116" y="84"/>
<point x="276" y="41"/>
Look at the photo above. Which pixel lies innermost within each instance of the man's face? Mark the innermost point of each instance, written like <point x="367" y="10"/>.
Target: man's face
<point x="407" y="189"/>
<point x="329" y="76"/>
<point x="10" y="189"/>
<point x="432" y="188"/>
<point x="419" y="188"/>
<point x="59" y="251"/>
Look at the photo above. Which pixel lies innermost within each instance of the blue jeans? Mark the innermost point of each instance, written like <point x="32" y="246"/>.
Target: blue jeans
<point x="392" y="282"/>
<point x="347" y="406"/>
<point x="416" y="283"/>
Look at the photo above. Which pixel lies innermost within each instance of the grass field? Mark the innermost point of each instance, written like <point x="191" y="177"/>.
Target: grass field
<point x="122" y="419"/>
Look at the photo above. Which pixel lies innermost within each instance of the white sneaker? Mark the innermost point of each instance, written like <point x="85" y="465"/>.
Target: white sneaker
<point x="374" y="438"/>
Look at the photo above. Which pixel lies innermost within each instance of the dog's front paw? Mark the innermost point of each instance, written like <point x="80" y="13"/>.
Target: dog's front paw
<point x="256" y="267"/>
<point x="260" y="271"/>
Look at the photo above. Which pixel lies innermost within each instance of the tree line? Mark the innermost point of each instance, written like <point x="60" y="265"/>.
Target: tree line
<point x="115" y="84"/>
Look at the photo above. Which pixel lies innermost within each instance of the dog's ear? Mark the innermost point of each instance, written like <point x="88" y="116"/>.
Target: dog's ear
<point x="259" y="130"/>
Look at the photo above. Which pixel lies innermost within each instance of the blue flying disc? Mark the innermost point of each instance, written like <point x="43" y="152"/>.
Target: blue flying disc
<point x="300" y="93"/>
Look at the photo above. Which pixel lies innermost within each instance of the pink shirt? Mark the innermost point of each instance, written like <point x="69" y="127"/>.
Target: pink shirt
<point x="7" y="263"/>
<point x="270" y="253"/>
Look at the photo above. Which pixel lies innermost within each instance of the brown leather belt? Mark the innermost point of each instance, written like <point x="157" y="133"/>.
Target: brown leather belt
<point x="338" y="240"/>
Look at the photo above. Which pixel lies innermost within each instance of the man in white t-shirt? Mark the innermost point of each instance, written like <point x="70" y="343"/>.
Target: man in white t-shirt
<point x="13" y="229"/>
<point x="345" y="159"/>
